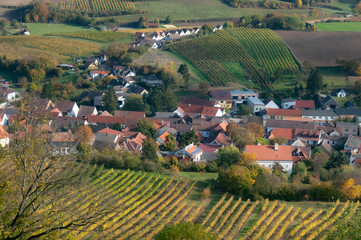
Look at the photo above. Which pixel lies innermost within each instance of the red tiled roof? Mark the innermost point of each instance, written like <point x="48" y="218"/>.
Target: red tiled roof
<point x="198" y="109"/>
<point x="208" y="148"/>
<point x="3" y="133"/>
<point x="284" y="112"/>
<point x="100" y="72"/>
<point x="164" y="135"/>
<point x="133" y="114"/>
<point x="288" y="133"/>
<point x="110" y="131"/>
<point x="305" y="104"/>
<point x="106" y="119"/>
<point x="64" y="106"/>
<point x="63" y="137"/>
<point x="267" y="152"/>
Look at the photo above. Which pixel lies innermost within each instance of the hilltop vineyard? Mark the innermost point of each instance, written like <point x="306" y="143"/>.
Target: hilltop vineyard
<point x="141" y="204"/>
<point x="96" y="5"/>
<point x="244" y="55"/>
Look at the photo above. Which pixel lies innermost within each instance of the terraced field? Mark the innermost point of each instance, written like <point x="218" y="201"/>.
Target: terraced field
<point x="96" y="5"/>
<point x="243" y="55"/>
<point x="143" y="203"/>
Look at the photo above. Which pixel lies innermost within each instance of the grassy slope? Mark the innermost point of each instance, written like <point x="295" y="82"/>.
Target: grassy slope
<point x="200" y="9"/>
<point x="339" y="26"/>
<point x="40" y="29"/>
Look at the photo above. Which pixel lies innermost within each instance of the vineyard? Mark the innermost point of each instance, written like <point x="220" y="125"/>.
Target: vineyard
<point x="143" y="203"/>
<point x="243" y="55"/>
<point x="96" y="5"/>
<point x="34" y="46"/>
<point x="103" y="37"/>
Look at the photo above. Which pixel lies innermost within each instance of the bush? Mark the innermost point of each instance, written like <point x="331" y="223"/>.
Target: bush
<point x="183" y="231"/>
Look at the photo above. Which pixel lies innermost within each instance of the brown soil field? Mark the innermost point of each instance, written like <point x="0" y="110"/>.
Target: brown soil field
<point x="322" y="48"/>
<point x="14" y="2"/>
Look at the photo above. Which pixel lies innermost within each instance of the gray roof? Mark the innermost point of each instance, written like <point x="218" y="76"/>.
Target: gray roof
<point x="318" y="113"/>
<point x="241" y="92"/>
<point x="348" y="111"/>
<point x="347" y="124"/>
<point x="164" y="114"/>
<point x="273" y="123"/>
<point x="103" y="137"/>
<point x="86" y="110"/>
<point x="286" y="100"/>
<point x="255" y="101"/>
<point x="353" y="142"/>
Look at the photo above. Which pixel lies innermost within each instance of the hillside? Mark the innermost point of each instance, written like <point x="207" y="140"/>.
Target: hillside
<point x="243" y="55"/>
<point x="142" y="203"/>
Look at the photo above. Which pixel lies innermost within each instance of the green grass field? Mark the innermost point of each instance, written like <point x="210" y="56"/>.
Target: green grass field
<point x="40" y="29"/>
<point x="200" y="9"/>
<point x="99" y="36"/>
<point x="339" y="26"/>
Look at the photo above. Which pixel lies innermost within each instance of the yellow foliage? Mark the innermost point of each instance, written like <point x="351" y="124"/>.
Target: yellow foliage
<point x="351" y="190"/>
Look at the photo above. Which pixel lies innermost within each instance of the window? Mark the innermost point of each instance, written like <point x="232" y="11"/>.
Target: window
<point x="346" y="130"/>
<point x="270" y="165"/>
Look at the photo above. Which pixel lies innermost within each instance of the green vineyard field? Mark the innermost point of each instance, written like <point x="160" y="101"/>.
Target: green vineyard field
<point x="142" y="204"/>
<point x="244" y="55"/>
<point x="96" y="5"/>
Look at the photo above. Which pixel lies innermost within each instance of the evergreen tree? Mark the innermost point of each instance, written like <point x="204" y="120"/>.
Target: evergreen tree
<point x="146" y="128"/>
<point x="134" y="103"/>
<point x="314" y="82"/>
<point x="170" y="143"/>
<point x="184" y="71"/>
<point x="170" y="100"/>
<point x="48" y="90"/>
<point x="155" y="101"/>
<point x="110" y="101"/>
<point x="149" y="150"/>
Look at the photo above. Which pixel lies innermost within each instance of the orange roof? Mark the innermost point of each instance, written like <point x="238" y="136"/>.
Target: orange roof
<point x="106" y="119"/>
<point x="164" y="135"/>
<point x="284" y="112"/>
<point x="3" y="133"/>
<point x="194" y="150"/>
<point x="268" y="152"/>
<point x="110" y="131"/>
<point x="200" y="136"/>
<point x="63" y="137"/>
<point x="203" y="110"/>
<point x="100" y="72"/>
<point x="288" y="133"/>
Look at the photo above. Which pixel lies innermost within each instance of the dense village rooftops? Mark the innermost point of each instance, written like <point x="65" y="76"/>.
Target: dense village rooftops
<point x="220" y="95"/>
<point x="86" y="110"/>
<point x="64" y="106"/>
<point x="198" y="102"/>
<point x="106" y="119"/>
<point x="347" y="124"/>
<point x="318" y="113"/>
<point x="273" y="123"/>
<point x="132" y="114"/>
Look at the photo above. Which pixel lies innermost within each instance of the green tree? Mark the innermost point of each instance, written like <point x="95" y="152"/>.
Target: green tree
<point x="188" y="138"/>
<point x="228" y="156"/>
<point x="299" y="168"/>
<point x="48" y="90"/>
<point x="298" y="3"/>
<point x="36" y="75"/>
<point x="110" y="101"/>
<point x="337" y="159"/>
<point x="170" y="143"/>
<point x="142" y="22"/>
<point x="169" y="19"/>
<point x="184" y="71"/>
<point x="170" y="99"/>
<point x="134" y="103"/>
<point x="185" y="230"/>
<point x="149" y="150"/>
<point x="228" y="25"/>
<point x="314" y="82"/>
<point x="146" y="128"/>
<point x="155" y="101"/>
<point x="244" y="110"/>
<point x="236" y="179"/>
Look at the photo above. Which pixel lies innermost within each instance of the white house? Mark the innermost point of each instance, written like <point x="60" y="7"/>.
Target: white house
<point x="341" y="93"/>
<point x="268" y="155"/>
<point x="4" y="137"/>
<point x="255" y="104"/>
<point x="67" y="108"/>
<point x="98" y="74"/>
<point x="319" y="115"/>
<point x="271" y="104"/>
<point x="192" y="151"/>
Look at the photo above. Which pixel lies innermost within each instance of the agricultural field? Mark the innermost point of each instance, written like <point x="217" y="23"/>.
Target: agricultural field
<point x="96" y="5"/>
<point x="339" y="26"/>
<point x="142" y="203"/>
<point x="15" y="47"/>
<point x="322" y="48"/>
<point x="238" y="55"/>
<point x="99" y="36"/>
<point x="41" y="29"/>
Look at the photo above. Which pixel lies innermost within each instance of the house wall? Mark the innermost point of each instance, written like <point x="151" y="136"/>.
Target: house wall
<point x="287" y="105"/>
<point x="4" y="141"/>
<point x="287" y="165"/>
<point x="11" y="96"/>
<point x="321" y="118"/>
<point x="74" y="112"/>
<point x="225" y="103"/>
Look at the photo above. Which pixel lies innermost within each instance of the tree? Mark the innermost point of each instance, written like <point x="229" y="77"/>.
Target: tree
<point x="228" y="25"/>
<point x="240" y="136"/>
<point x="351" y="190"/>
<point x="257" y="129"/>
<point x="169" y="19"/>
<point x="337" y="159"/>
<point x="298" y="3"/>
<point x="185" y="230"/>
<point x="36" y="184"/>
<point x="149" y="150"/>
<point x="314" y="82"/>
<point x="184" y="71"/>
<point x="134" y="103"/>
<point x="279" y="140"/>
<point x="155" y="101"/>
<point x="170" y="100"/>
<point x="228" y="156"/>
<point x="170" y="143"/>
<point x="244" y="110"/>
<point x="247" y="158"/>
<point x="188" y="138"/>
<point x="237" y="179"/>
<point x="36" y="75"/>
<point x="146" y="128"/>
<point x="48" y="90"/>
<point x="142" y="22"/>
<point x="84" y="134"/>
<point x="299" y="168"/>
<point x="110" y="101"/>
<point x="203" y="87"/>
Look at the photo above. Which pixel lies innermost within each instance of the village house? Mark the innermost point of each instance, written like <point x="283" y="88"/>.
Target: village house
<point x="288" y="103"/>
<point x="223" y="98"/>
<point x="326" y="102"/>
<point x="305" y="105"/>
<point x="255" y="104"/>
<point x="4" y="137"/>
<point x="63" y="143"/>
<point x="85" y="111"/>
<point x="284" y="114"/>
<point x="341" y="93"/>
<point x="269" y="103"/>
<point x="240" y="97"/>
<point x="152" y="80"/>
<point x="348" y="128"/>
<point x="198" y="110"/>
<point x="349" y="113"/>
<point x="67" y="108"/>
<point x="319" y="115"/>
<point x="192" y="151"/>
<point x="98" y="74"/>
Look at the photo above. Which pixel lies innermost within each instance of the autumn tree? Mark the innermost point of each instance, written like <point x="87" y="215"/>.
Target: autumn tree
<point x="351" y="190"/>
<point x="142" y="22"/>
<point x="204" y="87"/>
<point x="257" y="129"/>
<point x="84" y="134"/>
<point x="170" y="143"/>
<point x="188" y="138"/>
<point x="247" y="158"/>
<point x="37" y="186"/>
<point x="146" y="128"/>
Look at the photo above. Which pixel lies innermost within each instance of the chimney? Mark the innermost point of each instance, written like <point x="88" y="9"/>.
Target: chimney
<point x="276" y="146"/>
